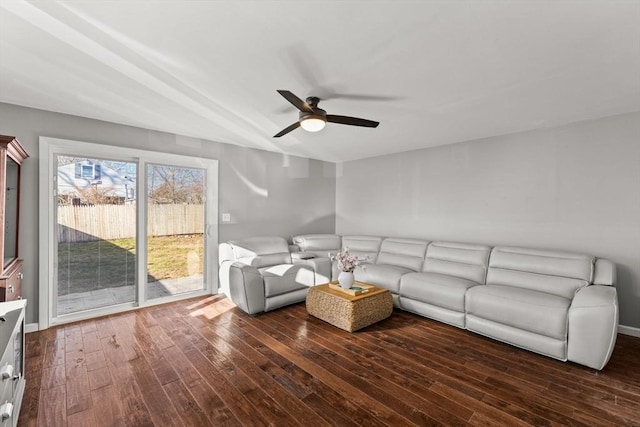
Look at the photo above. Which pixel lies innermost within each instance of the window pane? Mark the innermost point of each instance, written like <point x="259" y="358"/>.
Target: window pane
<point x="175" y="230"/>
<point x="96" y="234"/>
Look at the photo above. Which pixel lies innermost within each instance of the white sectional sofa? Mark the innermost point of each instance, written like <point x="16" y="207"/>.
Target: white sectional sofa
<point x="558" y="304"/>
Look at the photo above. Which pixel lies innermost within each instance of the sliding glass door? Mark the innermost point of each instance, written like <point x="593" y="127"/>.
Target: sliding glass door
<point x="96" y="233"/>
<point x="175" y="230"/>
<point x="123" y="231"/>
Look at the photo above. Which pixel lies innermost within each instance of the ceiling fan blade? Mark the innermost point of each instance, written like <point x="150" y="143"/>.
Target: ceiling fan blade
<point x="285" y="131"/>
<point x="352" y="121"/>
<point x="297" y="102"/>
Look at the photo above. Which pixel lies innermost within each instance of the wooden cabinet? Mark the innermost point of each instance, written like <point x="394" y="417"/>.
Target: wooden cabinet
<point x="12" y="382"/>
<point x="12" y="154"/>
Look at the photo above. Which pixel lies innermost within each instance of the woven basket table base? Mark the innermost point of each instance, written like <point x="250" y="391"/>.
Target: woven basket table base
<point x="348" y="312"/>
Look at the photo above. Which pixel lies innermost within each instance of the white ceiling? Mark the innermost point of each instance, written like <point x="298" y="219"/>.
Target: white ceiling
<point x="432" y="72"/>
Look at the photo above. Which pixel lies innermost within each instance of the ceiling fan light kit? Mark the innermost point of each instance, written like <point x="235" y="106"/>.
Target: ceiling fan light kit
<point x="313" y="123"/>
<point x="313" y="119"/>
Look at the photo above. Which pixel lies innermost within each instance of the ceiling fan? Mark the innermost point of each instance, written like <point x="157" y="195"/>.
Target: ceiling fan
<point x="313" y="118"/>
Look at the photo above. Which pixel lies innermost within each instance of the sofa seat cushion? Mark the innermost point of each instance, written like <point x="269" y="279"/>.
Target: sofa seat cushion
<point x="383" y="275"/>
<point x="436" y="289"/>
<point x="533" y="311"/>
<point x="283" y="278"/>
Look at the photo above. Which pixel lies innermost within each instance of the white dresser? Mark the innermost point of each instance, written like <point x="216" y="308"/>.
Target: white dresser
<point x="12" y="380"/>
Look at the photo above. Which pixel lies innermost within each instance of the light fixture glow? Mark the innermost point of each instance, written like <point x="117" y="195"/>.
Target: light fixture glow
<point x="313" y="123"/>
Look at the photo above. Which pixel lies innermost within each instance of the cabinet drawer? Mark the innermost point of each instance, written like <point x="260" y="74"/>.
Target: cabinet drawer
<point x="6" y="384"/>
<point x="11" y="283"/>
<point x="8" y="414"/>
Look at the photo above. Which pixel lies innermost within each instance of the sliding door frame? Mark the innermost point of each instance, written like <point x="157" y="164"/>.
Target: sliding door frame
<point x="52" y="147"/>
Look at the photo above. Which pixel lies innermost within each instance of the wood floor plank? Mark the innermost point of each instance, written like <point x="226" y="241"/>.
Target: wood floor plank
<point x="54" y="353"/>
<point x="73" y="338"/>
<point x="90" y="342"/>
<point x="203" y="362"/>
<point x="96" y="359"/>
<point x="31" y="398"/>
<point x="189" y="411"/>
<point x="125" y="389"/>
<point x="107" y="406"/>
<point x="86" y="418"/>
<point x="52" y="411"/>
<point x="160" y="406"/>
<point x="54" y="376"/>
<point x="78" y="390"/>
<point x="155" y="356"/>
<point x="99" y="378"/>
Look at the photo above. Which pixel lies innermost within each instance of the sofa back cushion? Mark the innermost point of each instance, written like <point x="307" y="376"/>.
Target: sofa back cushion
<point x="319" y="244"/>
<point x="362" y="246"/>
<point x="261" y="251"/>
<point x="407" y="253"/>
<point x="467" y="261"/>
<point x="554" y="272"/>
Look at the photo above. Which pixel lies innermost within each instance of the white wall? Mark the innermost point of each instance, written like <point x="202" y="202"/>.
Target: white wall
<point x="266" y="193"/>
<point x="575" y="188"/>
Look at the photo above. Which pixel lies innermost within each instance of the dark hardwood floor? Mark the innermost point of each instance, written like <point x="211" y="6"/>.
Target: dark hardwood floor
<point x="203" y="362"/>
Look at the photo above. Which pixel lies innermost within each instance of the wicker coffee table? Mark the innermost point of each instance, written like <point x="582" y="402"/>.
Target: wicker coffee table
<point x="349" y="312"/>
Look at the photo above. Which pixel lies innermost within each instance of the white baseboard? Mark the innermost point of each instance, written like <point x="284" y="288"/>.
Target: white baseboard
<point x="31" y="327"/>
<point x="629" y="330"/>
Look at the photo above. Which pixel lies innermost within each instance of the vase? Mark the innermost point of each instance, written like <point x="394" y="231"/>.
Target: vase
<point x="345" y="278"/>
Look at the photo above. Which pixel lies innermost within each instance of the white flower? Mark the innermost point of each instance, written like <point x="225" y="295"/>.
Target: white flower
<point x="346" y="261"/>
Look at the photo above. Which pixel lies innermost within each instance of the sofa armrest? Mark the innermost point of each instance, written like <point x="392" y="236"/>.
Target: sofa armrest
<point x="593" y="325"/>
<point x="321" y="268"/>
<point x="223" y="277"/>
<point x="225" y="253"/>
<point x="246" y="288"/>
<point x="605" y="273"/>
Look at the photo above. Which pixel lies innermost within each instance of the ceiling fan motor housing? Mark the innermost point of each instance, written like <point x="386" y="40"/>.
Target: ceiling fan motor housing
<point x="318" y="113"/>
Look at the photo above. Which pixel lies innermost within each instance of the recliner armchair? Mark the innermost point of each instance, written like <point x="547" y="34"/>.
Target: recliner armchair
<point x="260" y="274"/>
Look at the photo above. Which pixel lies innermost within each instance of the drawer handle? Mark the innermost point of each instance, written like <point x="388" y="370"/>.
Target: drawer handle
<point x="6" y="372"/>
<point x="6" y="411"/>
<point x="20" y="276"/>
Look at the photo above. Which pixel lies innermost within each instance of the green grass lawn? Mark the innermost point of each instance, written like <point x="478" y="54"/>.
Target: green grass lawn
<point x="89" y="266"/>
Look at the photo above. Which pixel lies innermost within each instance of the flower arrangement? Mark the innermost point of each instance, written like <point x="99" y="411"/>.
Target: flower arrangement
<point x="346" y="261"/>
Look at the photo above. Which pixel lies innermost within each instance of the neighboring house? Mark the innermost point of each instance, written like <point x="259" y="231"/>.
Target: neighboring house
<point x="88" y="182"/>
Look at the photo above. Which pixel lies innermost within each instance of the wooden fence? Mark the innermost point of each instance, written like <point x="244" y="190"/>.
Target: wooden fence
<point x="104" y="222"/>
